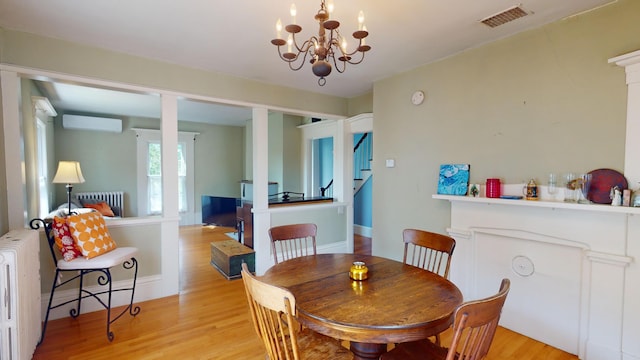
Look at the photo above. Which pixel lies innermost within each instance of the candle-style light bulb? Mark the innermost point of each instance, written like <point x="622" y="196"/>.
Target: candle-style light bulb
<point x="360" y="20"/>
<point x="330" y="7"/>
<point x="293" y="12"/>
<point x="289" y="43"/>
<point x="343" y="45"/>
<point x="278" y="29"/>
<point x="363" y="40"/>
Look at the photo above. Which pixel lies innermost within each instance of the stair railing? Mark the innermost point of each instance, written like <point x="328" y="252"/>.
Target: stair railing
<point x="361" y="156"/>
<point x="361" y="160"/>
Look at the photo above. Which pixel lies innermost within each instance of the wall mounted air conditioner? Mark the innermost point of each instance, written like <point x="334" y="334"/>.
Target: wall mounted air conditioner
<point x="93" y="123"/>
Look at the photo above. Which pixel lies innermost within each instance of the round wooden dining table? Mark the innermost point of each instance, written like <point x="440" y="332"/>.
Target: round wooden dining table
<point x="397" y="303"/>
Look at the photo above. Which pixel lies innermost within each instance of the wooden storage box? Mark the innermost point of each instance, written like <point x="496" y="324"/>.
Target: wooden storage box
<point x="227" y="256"/>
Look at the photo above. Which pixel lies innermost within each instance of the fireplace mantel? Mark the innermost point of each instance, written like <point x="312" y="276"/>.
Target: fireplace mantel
<point x="573" y="267"/>
<point x="569" y="266"/>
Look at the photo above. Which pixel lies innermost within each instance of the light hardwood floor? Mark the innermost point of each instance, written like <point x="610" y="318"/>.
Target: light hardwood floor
<point x="209" y="319"/>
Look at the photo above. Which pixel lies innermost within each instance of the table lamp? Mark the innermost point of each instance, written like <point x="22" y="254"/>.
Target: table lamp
<point x="68" y="173"/>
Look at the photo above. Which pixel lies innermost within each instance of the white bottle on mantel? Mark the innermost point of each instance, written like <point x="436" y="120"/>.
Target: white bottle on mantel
<point x="616" y="196"/>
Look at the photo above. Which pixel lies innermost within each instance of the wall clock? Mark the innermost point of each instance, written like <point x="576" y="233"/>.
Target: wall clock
<point x="417" y="98"/>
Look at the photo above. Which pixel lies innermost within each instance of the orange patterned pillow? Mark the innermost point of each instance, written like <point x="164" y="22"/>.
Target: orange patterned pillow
<point x="102" y="207"/>
<point x="91" y="234"/>
<point x="63" y="239"/>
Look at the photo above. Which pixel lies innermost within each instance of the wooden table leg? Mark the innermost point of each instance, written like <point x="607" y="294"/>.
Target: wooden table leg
<point x="362" y="351"/>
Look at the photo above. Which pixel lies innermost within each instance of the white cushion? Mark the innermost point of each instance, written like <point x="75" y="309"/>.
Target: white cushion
<point x="64" y="211"/>
<point x="106" y="260"/>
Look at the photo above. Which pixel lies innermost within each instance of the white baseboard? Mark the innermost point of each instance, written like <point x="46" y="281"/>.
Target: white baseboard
<point x="362" y="230"/>
<point x="147" y="288"/>
<point x="626" y="356"/>
<point x="333" y="248"/>
<point x="600" y="351"/>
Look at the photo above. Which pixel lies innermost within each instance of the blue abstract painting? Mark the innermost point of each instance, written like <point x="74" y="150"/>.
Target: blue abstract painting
<point x="454" y="179"/>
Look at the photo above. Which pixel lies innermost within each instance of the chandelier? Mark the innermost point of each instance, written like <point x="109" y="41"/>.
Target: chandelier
<point x="323" y="49"/>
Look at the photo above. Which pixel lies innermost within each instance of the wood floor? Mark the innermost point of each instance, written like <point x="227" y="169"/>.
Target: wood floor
<point x="209" y="319"/>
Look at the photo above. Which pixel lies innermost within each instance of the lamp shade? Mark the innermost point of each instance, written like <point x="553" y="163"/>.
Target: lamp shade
<point x="69" y="172"/>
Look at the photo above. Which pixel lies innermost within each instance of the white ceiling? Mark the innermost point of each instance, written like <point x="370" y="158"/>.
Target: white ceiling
<point x="233" y="36"/>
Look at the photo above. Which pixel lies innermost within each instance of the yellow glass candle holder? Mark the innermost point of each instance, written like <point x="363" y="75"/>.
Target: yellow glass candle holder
<point x="359" y="271"/>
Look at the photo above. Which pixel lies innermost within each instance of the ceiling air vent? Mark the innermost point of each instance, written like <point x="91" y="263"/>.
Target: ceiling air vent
<point x="504" y="17"/>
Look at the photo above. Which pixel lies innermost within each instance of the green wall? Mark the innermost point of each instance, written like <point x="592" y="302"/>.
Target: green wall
<point x="109" y="163"/>
<point x="292" y="169"/>
<point x="542" y="101"/>
<point x="285" y="151"/>
<point x="360" y="104"/>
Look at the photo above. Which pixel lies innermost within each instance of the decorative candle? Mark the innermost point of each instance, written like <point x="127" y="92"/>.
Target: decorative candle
<point x="278" y="29"/>
<point x="359" y="271"/>
<point x="293" y="12"/>
<point x="360" y="20"/>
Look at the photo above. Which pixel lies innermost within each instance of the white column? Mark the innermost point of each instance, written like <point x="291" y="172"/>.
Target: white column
<point x="170" y="233"/>
<point x="10" y="89"/>
<point x="631" y="63"/>
<point x="343" y="175"/>
<point x="261" y="216"/>
<point x="631" y="319"/>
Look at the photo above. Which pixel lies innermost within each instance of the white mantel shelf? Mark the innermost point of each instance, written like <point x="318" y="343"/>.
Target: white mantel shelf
<point x="542" y="204"/>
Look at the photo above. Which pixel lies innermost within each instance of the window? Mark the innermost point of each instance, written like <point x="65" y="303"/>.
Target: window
<point x="150" y="173"/>
<point x="182" y="177"/>
<point x="154" y="178"/>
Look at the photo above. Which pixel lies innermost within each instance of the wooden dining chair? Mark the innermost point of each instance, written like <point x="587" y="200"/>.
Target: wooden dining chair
<point x="268" y="305"/>
<point x="474" y="325"/>
<point x="291" y="241"/>
<point x="428" y="250"/>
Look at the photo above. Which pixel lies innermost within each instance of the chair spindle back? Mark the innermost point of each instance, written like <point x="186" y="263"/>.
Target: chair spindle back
<point x="475" y="324"/>
<point x="266" y="304"/>
<point x="291" y="241"/>
<point x="428" y="250"/>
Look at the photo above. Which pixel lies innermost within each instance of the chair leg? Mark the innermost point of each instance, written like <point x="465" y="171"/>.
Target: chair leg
<point x="133" y="310"/>
<point x="132" y="264"/>
<point x="109" y="283"/>
<point x="76" y="312"/>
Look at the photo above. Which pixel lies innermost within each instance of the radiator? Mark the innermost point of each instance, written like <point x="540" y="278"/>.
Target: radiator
<point x="20" y="318"/>
<point x="113" y="198"/>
